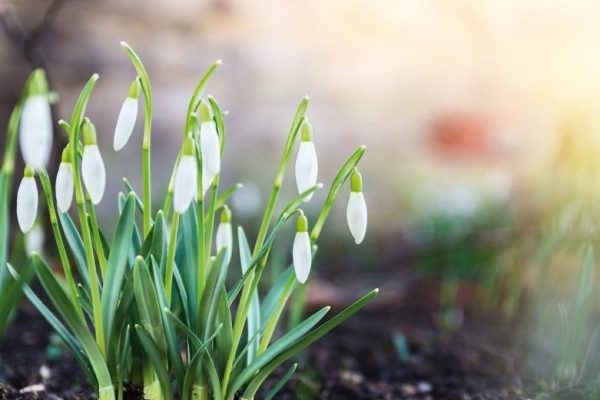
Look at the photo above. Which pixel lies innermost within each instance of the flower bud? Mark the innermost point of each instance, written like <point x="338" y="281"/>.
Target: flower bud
<point x="356" y="213"/>
<point x="224" y="234"/>
<point x="301" y="252"/>
<point x="34" y="239"/>
<point x="92" y="166"/>
<point x="210" y="146"/>
<point x="35" y="135"/>
<point x="306" y="161"/>
<point x="64" y="182"/>
<point x="27" y="201"/>
<point x="186" y="178"/>
<point x="127" y="116"/>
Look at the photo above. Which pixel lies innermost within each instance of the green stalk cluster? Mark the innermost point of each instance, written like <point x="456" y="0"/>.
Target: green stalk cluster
<point x="156" y="294"/>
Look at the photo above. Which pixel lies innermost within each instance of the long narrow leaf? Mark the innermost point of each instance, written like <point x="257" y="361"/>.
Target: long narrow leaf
<point x="76" y="246"/>
<point x="157" y="362"/>
<point x="254" y="311"/>
<point x="273" y="392"/>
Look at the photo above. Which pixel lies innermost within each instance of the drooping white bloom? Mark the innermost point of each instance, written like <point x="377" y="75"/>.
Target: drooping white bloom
<point x="301" y="251"/>
<point x="27" y="201"/>
<point x="35" y="136"/>
<point x="207" y="177"/>
<point x="186" y="183"/>
<point x="210" y="147"/>
<point x="224" y="238"/>
<point x="127" y="116"/>
<point x="356" y="213"/>
<point x="307" y="166"/>
<point x="64" y="186"/>
<point x="93" y="172"/>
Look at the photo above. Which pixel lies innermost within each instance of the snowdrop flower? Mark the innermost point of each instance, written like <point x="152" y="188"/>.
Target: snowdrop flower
<point x="35" y="136"/>
<point x="92" y="166"/>
<point x="27" y="200"/>
<point x="64" y="182"/>
<point x="224" y="234"/>
<point x="301" y="252"/>
<point x="210" y="146"/>
<point x="186" y="178"/>
<point x="306" y="161"/>
<point x="356" y="213"/>
<point x="127" y="116"/>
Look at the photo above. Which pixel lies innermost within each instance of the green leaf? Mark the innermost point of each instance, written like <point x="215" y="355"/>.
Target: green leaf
<point x="272" y="299"/>
<point x="191" y="373"/>
<point x="138" y="202"/>
<point x="116" y="265"/>
<point x="208" y="306"/>
<point x="188" y="269"/>
<point x="169" y="329"/>
<point x="76" y="246"/>
<point x="273" y="392"/>
<point x="148" y="307"/>
<point x="80" y="330"/>
<point x="157" y="361"/>
<point x="224" y="340"/>
<point x="226" y="195"/>
<point x="285" y="342"/>
<point x="254" y="310"/>
<point x="71" y="343"/>
<point x="267" y="370"/>
<point x="11" y="294"/>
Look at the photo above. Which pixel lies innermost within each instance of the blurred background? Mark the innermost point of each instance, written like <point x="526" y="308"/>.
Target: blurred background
<point x="480" y="117"/>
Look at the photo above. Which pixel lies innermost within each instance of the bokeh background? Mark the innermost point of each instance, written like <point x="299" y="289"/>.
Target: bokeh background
<point x="480" y="117"/>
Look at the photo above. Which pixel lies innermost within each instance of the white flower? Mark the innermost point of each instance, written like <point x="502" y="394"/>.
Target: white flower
<point x="93" y="172"/>
<point x="27" y="202"/>
<point x="210" y="147"/>
<point x="35" y="136"/>
<point x="356" y="214"/>
<point x="224" y="237"/>
<point x="64" y="186"/>
<point x="301" y="251"/>
<point x="125" y="123"/>
<point x="186" y="183"/>
<point x="307" y="166"/>
<point x="207" y="177"/>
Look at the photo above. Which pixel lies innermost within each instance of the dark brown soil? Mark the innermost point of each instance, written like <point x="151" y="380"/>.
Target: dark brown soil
<point x="487" y="358"/>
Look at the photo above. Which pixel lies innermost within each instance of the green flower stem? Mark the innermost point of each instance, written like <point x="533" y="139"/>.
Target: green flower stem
<point x="210" y="217"/>
<point x="6" y="176"/>
<point x="203" y="253"/>
<point x="171" y="256"/>
<point x="249" y="285"/>
<point x="270" y="329"/>
<point x="62" y="252"/>
<point x="146" y="176"/>
<point x="75" y="128"/>
<point x="336" y="186"/>
<point x="197" y="96"/>
<point x="97" y="240"/>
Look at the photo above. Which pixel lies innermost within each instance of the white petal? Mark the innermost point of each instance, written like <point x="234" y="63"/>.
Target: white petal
<point x="210" y="147"/>
<point x="356" y="214"/>
<point x="224" y="239"/>
<point x="64" y="186"/>
<point x="125" y="123"/>
<point x="207" y="177"/>
<point x="27" y="203"/>
<point x="302" y="257"/>
<point x="307" y="167"/>
<point x="35" y="136"/>
<point x="186" y="184"/>
<point x="93" y="172"/>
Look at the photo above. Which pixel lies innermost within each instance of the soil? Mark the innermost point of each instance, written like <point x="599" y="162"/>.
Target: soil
<point x="488" y="357"/>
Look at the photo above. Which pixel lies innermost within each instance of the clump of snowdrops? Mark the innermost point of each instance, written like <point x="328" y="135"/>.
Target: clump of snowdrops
<point x="155" y="293"/>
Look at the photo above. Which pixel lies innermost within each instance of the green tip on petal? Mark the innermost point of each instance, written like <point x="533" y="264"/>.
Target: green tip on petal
<point x="302" y="223"/>
<point x="189" y="147"/>
<point x="356" y="181"/>
<point x="307" y="131"/>
<point x="134" y="89"/>
<point x="29" y="172"/>
<point x="205" y="112"/>
<point x="66" y="154"/>
<point x="89" y="133"/>
<point x="226" y="215"/>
